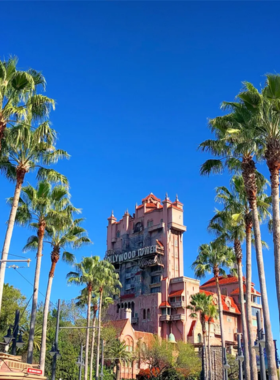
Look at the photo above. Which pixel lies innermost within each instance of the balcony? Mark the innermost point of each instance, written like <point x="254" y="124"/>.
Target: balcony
<point x="177" y="227"/>
<point x="178" y="317"/>
<point x="128" y="275"/>
<point x="134" y="320"/>
<point x="163" y="318"/>
<point x="127" y="287"/>
<point x="156" y="227"/>
<point x="177" y="304"/>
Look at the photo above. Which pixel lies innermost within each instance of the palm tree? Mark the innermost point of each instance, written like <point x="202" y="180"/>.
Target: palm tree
<point x="235" y="224"/>
<point x="212" y="314"/>
<point x="200" y="303"/>
<point x="60" y="235"/>
<point x="82" y="301"/>
<point x="237" y="142"/>
<point x="85" y="275"/>
<point x="212" y="258"/>
<point x="118" y="353"/>
<point x="37" y="208"/>
<point x="25" y="149"/>
<point x="19" y="95"/>
<point x="222" y="223"/>
<point x="107" y="281"/>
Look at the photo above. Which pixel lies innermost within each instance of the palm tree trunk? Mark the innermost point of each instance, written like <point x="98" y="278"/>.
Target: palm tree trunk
<point x="205" y="369"/>
<point x="118" y="370"/>
<point x="92" y="344"/>
<point x="87" y="334"/>
<point x="216" y="274"/>
<point x="55" y="258"/>
<point x="252" y="352"/>
<point x="248" y="173"/>
<point x="209" y="351"/>
<point x="98" y="336"/>
<point x="243" y="316"/>
<point x="40" y="233"/>
<point x="20" y="178"/>
<point x="276" y="229"/>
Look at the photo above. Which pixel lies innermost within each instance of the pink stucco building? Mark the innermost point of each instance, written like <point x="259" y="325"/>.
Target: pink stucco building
<point x="146" y="249"/>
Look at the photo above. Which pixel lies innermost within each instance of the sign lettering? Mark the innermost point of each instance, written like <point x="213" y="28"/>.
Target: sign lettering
<point x="35" y="371"/>
<point x="120" y="257"/>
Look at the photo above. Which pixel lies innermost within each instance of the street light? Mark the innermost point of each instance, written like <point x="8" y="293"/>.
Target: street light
<point x="55" y="351"/>
<point x="20" y="342"/>
<point x="9" y="337"/>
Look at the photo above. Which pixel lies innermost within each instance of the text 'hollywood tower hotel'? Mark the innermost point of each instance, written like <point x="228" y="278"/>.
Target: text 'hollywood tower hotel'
<point x="147" y="252"/>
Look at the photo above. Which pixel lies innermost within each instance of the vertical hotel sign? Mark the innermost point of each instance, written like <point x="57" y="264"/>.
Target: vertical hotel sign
<point x="131" y="255"/>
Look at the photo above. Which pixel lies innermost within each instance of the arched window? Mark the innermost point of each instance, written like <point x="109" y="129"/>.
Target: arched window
<point x="144" y="314"/>
<point x="148" y="314"/>
<point x="198" y="338"/>
<point x="118" y="308"/>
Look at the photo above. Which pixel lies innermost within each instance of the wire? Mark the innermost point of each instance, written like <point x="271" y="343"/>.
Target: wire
<point x="32" y="286"/>
<point x="23" y="257"/>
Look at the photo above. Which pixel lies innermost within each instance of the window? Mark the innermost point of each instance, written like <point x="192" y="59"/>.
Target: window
<point x="254" y="311"/>
<point x="229" y="319"/>
<point x="138" y="227"/>
<point x="140" y="244"/>
<point x="150" y="223"/>
<point x="155" y="290"/>
<point x="155" y="279"/>
<point x="198" y="338"/>
<point x="172" y="299"/>
<point x="118" y="234"/>
<point x="148" y="314"/>
<point x="155" y="268"/>
<point x="255" y="323"/>
<point x="163" y="311"/>
<point x="144" y="314"/>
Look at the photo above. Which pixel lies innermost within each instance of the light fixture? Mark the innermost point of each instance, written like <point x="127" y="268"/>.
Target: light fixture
<point x="52" y="351"/>
<point x="226" y="366"/>
<point x="262" y="341"/>
<point x="240" y="357"/>
<point x="9" y="336"/>
<point x="80" y="362"/>
<point x="20" y="342"/>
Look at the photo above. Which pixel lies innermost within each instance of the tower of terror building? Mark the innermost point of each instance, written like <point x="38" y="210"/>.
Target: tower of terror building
<point x="146" y="249"/>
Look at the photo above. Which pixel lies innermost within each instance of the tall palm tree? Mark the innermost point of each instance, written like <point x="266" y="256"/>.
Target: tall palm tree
<point x="237" y="143"/>
<point x="26" y="149"/>
<point x="60" y="235"/>
<point x="212" y="258"/>
<point x="224" y="226"/>
<point x="85" y="275"/>
<point x="107" y="281"/>
<point x="119" y="353"/>
<point x="212" y="314"/>
<point x="200" y="303"/>
<point x="266" y="107"/>
<point x="82" y="300"/>
<point x="19" y="95"/>
<point x="235" y="223"/>
<point x="37" y="209"/>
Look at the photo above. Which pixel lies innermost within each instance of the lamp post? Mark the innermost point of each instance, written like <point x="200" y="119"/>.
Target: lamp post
<point x="240" y="357"/>
<point x="55" y="351"/>
<point x="225" y="365"/>
<point x="14" y="337"/>
<point x="80" y="362"/>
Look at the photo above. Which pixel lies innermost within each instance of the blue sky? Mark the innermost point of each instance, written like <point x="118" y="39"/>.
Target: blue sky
<point x="134" y="84"/>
